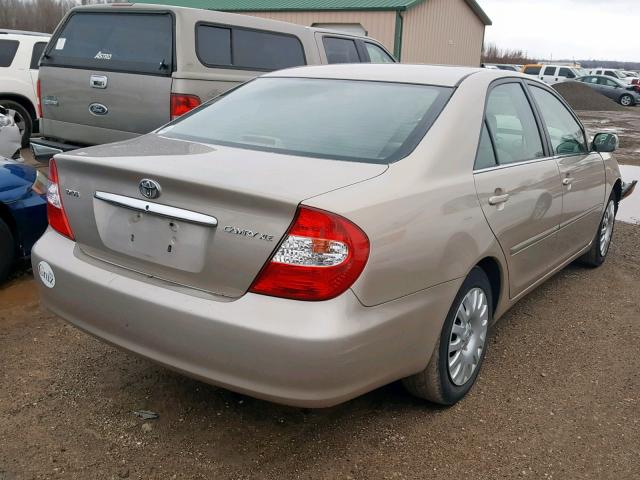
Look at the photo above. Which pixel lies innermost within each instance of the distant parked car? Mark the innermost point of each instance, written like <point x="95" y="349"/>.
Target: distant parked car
<point x="303" y="240"/>
<point x="626" y="95"/>
<point x="115" y="72"/>
<point x="552" y="74"/>
<point x="611" y="72"/>
<point x="19" y="56"/>
<point x="23" y="207"/>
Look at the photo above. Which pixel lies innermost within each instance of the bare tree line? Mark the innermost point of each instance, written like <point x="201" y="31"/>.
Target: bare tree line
<point x="36" y="15"/>
<point x="491" y="53"/>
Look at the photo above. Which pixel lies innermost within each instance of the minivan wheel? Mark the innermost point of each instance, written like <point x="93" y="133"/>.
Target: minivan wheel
<point x="626" y="100"/>
<point x="22" y="118"/>
<point x="602" y="241"/>
<point x="456" y="359"/>
<point x="7" y="250"/>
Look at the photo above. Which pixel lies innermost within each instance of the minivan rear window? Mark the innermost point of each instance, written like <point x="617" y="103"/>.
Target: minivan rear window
<point x="365" y="121"/>
<point x="121" y="42"/>
<point x="8" y="49"/>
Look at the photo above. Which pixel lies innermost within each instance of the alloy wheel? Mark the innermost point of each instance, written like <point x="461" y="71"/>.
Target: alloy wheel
<point x="468" y="336"/>
<point x="606" y="228"/>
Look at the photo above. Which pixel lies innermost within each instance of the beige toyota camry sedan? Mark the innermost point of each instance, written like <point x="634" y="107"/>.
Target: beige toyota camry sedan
<point x="322" y="231"/>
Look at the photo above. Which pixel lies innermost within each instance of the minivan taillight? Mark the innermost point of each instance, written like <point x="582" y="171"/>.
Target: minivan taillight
<point x="55" y="209"/>
<point x="321" y="256"/>
<point x="181" y="103"/>
<point x="39" y="98"/>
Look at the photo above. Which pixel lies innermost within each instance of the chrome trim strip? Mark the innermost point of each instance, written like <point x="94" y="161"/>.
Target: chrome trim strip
<point x="580" y="216"/>
<point x="514" y="164"/>
<point x="157" y="209"/>
<point x="516" y="249"/>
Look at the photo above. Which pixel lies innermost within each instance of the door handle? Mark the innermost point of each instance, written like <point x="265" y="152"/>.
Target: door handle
<point x="567" y="181"/>
<point x="498" y="199"/>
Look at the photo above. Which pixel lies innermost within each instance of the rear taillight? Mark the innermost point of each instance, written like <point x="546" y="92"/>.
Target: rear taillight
<point x="321" y="256"/>
<point x="39" y="95"/>
<point x="181" y="103"/>
<point x="55" y="209"/>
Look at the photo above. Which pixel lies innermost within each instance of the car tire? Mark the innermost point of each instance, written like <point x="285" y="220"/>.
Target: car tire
<point x="441" y="382"/>
<point x="602" y="240"/>
<point x="627" y="100"/>
<point x="7" y="250"/>
<point x="23" y="120"/>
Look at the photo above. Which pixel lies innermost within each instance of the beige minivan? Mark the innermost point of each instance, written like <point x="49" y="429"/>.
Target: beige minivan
<point x="115" y="72"/>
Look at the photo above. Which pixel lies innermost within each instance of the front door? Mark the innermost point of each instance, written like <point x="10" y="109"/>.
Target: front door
<point x="518" y="186"/>
<point x="581" y="171"/>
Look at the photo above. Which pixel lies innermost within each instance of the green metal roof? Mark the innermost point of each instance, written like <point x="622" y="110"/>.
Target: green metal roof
<point x="306" y="5"/>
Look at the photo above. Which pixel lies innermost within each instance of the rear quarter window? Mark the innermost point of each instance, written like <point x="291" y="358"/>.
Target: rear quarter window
<point x="36" y="53"/>
<point x="124" y="42"/>
<point x="232" y="47"/>
<point x="8" y="49"/>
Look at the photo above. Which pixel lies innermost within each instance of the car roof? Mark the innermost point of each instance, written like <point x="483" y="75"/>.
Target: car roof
<point x="4" y="31"/>
<point x="441" y="75"/>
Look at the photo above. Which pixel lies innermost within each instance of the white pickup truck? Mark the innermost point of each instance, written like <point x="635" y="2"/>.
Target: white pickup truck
<point x="554" y="73"/>
<point x="19" y="56"/>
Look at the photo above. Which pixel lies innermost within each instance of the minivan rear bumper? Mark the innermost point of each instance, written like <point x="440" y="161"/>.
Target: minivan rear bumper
<point x="310" y="354"/>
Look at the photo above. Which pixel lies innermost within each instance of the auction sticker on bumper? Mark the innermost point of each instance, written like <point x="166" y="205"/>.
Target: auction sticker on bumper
<point x="46" y="274"/>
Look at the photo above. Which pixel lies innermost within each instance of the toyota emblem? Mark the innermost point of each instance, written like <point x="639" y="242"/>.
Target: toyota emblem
<point x="149" y="188"/>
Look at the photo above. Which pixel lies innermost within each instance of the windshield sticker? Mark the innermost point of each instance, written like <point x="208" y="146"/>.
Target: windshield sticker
<point x="103" y="56"/>
<point x="60" y="43"/>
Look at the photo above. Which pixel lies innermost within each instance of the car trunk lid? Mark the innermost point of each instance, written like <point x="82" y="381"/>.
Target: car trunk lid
<point x="253" y="197"/>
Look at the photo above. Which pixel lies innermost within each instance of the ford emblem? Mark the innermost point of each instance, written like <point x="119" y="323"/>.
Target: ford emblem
<point x="149" y="188"/>
<point x="98" y="109"/>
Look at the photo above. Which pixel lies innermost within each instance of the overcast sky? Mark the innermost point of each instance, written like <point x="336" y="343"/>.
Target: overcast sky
<point x="581" y="29"/>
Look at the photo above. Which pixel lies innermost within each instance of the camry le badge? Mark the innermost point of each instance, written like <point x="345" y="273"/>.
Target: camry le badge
<point x="149" y="188"/>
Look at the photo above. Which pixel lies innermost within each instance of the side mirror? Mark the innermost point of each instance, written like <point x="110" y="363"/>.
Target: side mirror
<point x="605" y="142"/>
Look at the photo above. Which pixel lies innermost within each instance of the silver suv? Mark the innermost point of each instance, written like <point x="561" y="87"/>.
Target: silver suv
<point x="113" y="73"/>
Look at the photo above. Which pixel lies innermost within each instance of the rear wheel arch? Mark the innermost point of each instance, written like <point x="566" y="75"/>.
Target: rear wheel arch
<point x="493" y="270"/>
<point x="22" y="100"/>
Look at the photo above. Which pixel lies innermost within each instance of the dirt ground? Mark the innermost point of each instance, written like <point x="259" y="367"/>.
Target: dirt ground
<point x="558" y="397"/>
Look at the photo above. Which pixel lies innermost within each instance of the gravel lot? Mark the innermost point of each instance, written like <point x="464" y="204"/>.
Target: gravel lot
<point x="558" y="397"/>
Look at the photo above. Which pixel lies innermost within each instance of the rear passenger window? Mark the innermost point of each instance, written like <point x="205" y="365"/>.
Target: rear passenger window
<point x="36" y="53"/>
<point x="213" y="45"/>
<point x="8" y="49"/>
<point x="377" y="55"/>
<point x="340" y="50"/>
<point x="549" y="71"/>
<point x="249" y="49"/>
<point x="512" y="125"/>
<point x="532" y="70"/>
<point x="566" y="134"/>
<point x="486" y="157"/>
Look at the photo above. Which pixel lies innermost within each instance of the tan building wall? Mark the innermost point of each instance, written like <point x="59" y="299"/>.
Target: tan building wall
<point x="442" y="32"/>
<point x="378" y="25"/>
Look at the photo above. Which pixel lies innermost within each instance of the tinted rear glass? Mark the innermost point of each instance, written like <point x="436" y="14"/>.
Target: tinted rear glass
<point x="8" y="49"/>
<point x="127" y="42"/>
<point x="532" y="70"/>
<point x="340" y="50"/>
<point x="375" y="122"/>
<point x="219" y="46"/>
<point x="36" y="53"/>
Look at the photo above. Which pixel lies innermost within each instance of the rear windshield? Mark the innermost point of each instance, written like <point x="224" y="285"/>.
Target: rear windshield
<point x="122" y="42"/>
<point x="374" y="122"/>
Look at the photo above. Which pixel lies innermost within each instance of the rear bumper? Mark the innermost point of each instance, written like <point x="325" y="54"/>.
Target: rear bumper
<point x="297" y="353"/>
<point x="43" y="149"/>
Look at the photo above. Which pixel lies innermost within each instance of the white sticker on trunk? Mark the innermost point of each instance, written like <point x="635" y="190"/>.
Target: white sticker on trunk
<point x="46" y="275"/>
<point x="60" y="43"/>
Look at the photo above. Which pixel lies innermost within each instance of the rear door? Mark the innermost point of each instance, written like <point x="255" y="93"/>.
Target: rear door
<point x="106" y="76"/>
<point x="549" y="75"/>
<point x="582" y="173"/>
<point x="518" y="186"/>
